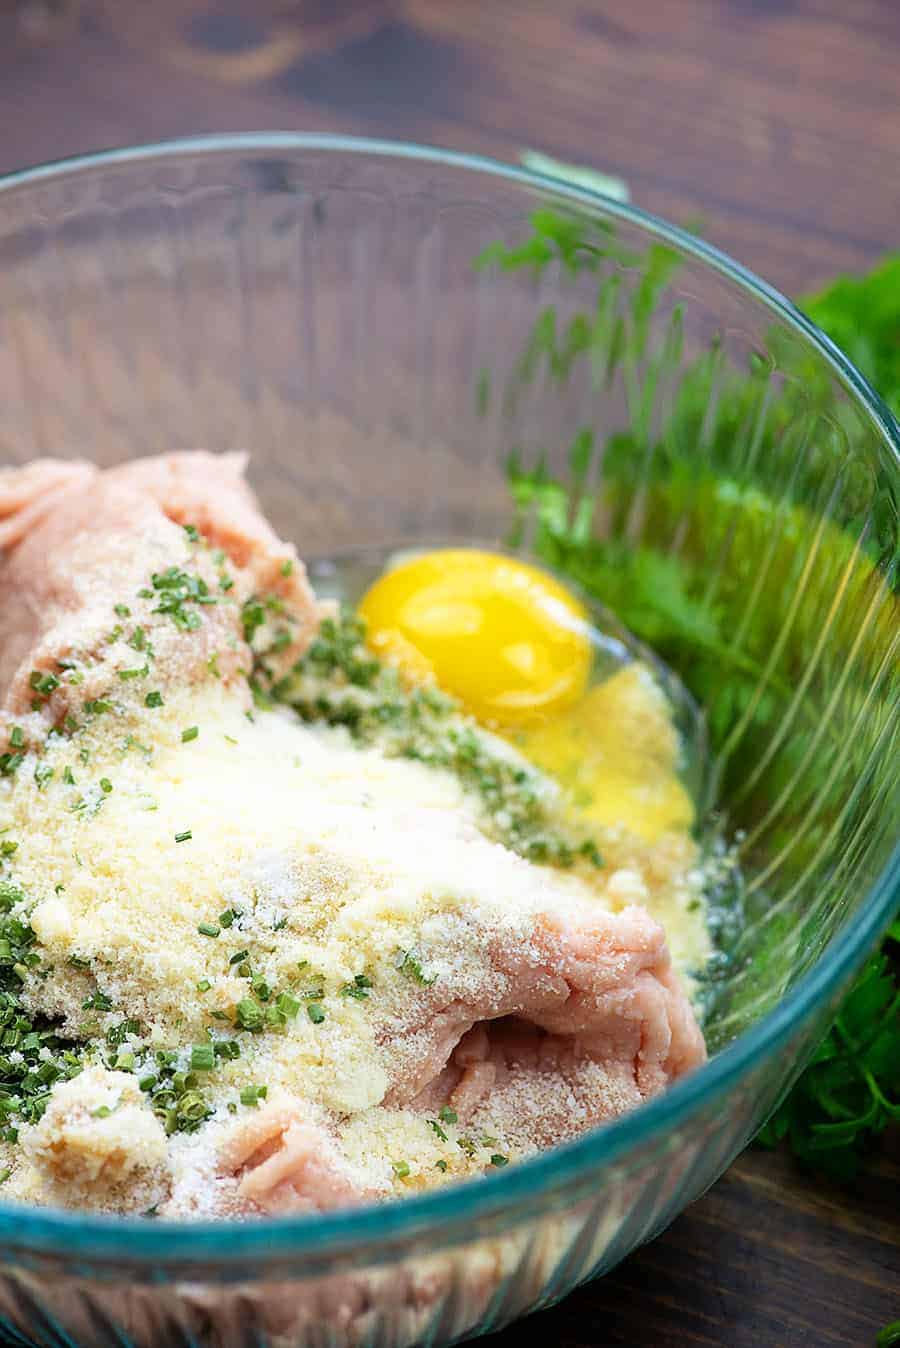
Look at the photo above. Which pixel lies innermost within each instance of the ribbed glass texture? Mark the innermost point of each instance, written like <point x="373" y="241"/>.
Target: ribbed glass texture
<point x="317" y="302"/>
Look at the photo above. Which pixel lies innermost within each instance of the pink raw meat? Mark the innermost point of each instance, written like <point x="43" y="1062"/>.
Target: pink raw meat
<point x="78" y="541"/>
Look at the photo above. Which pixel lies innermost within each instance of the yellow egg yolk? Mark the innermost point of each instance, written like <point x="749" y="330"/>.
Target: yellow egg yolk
<point x="503" y="637"/>
<point x="616" y="754"/>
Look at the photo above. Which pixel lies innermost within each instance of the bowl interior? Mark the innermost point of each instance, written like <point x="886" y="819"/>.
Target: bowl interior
<point x="412" y="349"/>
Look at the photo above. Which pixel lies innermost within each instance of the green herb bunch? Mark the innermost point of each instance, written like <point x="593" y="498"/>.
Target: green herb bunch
<point x="724" y="437"/>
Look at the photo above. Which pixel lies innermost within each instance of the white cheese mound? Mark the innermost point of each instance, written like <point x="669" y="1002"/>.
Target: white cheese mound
<point x="326" y="861"/>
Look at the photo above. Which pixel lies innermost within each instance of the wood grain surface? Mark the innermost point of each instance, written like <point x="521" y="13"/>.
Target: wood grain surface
<point x="775" y="123"/>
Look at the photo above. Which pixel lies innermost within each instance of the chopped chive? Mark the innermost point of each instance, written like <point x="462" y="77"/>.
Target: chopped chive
<point x="401" y="1169"/>
<point x="212" y="665"/>
<point x="358" y="989"/>
<point x="205" y="928"/>
<point x="97" y="707"/>
<point x="251" y="1095"/>
<point x="287" y="567"/>
<point x="42" y="682"/>
<point x="105" y="785"/>
<point x="122" y="611"/>
<point x="190" y="734"/>
<point x="136" y="672"/>
<point x="441" y="1165"/>
<point x="315" y="1013"/>
<point x="448" y="1115"/>
<point x="101" y="1112"/>
<point x="410" y="965"/>
<point x="42" y="774"/>
<point x="8" y="847"/>
<point x="250" y="1015"/>
<point x="287" y="1005"/>
<point x="239" y="957"/>
<point x="16" y="737"/>
<point x="192" y="532"/>
<point x="204" y="985"/>
<point x="203" y="1058"/>
<point x="153" y="700"/>
<point x="185" y="837"/>
<point x="437" y="1129"/>
<point x="68" y="776"/>
<point x="498" y="1160"/>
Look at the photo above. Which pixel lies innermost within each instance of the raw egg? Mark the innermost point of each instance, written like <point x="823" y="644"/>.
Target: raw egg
<point x="616" y="754"/>
<point x="509" y="641"/>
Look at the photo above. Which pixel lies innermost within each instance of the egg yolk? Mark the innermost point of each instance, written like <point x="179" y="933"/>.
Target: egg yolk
<point x="616" y="756"/>
<point x="505" y="638"/>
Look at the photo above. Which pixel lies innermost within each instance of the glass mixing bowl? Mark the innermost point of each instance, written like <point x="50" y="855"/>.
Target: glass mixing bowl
<point x="416" y="345"/>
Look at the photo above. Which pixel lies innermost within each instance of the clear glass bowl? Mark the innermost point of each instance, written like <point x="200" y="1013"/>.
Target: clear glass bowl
<point x="735" y="484"/>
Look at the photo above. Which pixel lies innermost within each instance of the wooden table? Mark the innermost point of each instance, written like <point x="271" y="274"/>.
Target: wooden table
<point x="777" y="122"/>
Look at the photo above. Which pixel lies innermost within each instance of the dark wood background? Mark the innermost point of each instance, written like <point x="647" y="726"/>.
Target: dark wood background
<point x="774" y="122"/>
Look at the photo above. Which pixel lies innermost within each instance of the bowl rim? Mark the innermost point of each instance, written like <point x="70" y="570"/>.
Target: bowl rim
<point x="128" y="1240"/>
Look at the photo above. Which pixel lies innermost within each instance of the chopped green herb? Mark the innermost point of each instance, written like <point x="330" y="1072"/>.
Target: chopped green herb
<point x="239" y="957"/>
<point x="97" y="707"/>
<point x="189" y="734"/>
<point x="137" y="672"/>
<point x="441" y="1165"/>
<point x="436" y="1127"/>
<point x="251" y="1095"/>
<point x="203" y="1058"/>
<point x="227" y="918"/>
<point x="68" y="776"/>
<point x="105" y="785"/>
<point x="43" y="682"/>
<point x="102" y="1111"/>
<point x="287" y="1005"/>
<point x="315" y="1012"/>
<point x="97" y="1001"/>
<point x="16" y="737"/>
<point x="409" y="964"/>
<point x="208" y="929"/>
<point x="498" y="1160"/>
<point x="122" y="611"/>
<point x="212" y="665"/>
<point x="204" y="985"/>
<point x="175" y="589"/>
<point x="192" y="532"/>
<point x="448" y="1115"/>
<point x="250" y="1015"/>
<point x="401" y="1169"/>
<point x="287" y="567"/>
<point x="8" y="847"/>
<point x="153" y="700"/>
<point x="43" y="773"/>
<point x="186" y="836"/>
<point x="359" y="988"/>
